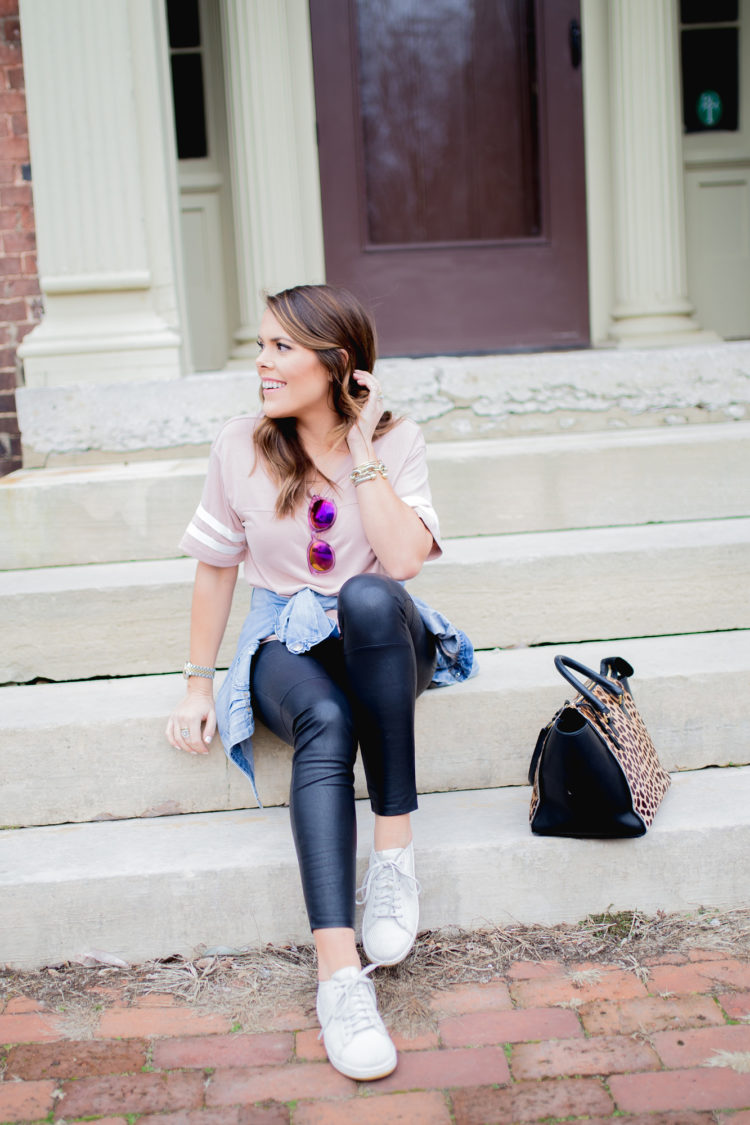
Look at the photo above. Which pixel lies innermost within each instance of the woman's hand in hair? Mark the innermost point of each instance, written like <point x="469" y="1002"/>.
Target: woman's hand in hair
<point x="359" y="438"/>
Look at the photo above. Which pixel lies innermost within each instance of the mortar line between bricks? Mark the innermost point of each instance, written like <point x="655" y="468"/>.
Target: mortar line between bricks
<point x="449" y="1106"/>
<point x="724" y="1014"/>
<point x="610" y="1095"/>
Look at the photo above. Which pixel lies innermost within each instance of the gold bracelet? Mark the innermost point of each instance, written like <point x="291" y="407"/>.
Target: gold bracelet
<point x="368" y="471"/>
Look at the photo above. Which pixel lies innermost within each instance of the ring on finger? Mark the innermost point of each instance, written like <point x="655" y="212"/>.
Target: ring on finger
<point x="185" y="733"/>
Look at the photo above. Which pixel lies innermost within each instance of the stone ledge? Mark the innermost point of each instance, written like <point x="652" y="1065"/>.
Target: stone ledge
<point x="476" y="735"/>
<point x="130" y="618"/>
<point x="452" y="397"/>
<point x="152" y="888"/>
<point x="68" y="515"/>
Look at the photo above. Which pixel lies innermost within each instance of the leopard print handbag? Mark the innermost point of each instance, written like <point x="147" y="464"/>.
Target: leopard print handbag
<point x="594" y="770"/>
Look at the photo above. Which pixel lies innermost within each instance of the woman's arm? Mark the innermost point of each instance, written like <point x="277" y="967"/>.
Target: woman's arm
<point x="394" y="530"/>
<point x="212" y="601"/>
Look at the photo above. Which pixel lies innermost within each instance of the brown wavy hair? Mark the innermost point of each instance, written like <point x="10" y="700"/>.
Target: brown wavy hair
<point x="333" y="323"/>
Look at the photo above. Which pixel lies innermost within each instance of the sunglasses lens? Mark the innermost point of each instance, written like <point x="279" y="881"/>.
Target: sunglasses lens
<point x="322" y="513"/>
<point x="320" y="556"/>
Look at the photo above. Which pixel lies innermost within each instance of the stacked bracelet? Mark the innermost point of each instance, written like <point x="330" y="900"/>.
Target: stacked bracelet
<point x="368" y="471"/>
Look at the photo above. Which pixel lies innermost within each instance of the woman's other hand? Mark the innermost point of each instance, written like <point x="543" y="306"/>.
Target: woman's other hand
<point x="184" y="726"/>
<point x="212" y="600"/>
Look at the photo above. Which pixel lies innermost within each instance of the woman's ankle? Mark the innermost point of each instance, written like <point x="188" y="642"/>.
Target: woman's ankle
<point x="392" y="832"/>
<point x="336" y="949"/>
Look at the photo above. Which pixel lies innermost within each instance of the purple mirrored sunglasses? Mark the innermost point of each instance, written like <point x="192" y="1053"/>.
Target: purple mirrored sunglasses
<point x="321" y="516"/>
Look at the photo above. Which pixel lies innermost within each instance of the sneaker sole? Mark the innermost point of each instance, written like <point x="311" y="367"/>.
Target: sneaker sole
<point x="361" y="1075"/>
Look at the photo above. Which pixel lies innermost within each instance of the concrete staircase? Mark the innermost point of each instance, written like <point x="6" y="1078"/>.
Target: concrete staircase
<point x="634" y="543"/>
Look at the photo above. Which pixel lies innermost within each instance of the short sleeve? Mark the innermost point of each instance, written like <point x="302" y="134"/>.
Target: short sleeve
<point x="215" y="535"/>
<point x="411" y="483"/>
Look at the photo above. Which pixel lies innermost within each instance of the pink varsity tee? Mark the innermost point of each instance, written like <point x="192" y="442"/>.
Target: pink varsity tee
<point x="236" y="521"/>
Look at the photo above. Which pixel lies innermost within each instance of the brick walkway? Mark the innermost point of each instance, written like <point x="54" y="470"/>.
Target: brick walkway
<point x="544" y="1043"/>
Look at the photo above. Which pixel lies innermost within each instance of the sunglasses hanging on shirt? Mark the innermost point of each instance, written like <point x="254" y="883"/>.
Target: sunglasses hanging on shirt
<point x="321" y="516"/>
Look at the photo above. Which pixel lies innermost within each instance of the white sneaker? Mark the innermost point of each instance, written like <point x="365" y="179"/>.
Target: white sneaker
<point x="354" y="1035"/>
<point x="390" y="893"/>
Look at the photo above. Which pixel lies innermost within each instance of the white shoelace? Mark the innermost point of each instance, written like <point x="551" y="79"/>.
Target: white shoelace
<point x="355" y="1005"/>
<point x="383" y="882"/>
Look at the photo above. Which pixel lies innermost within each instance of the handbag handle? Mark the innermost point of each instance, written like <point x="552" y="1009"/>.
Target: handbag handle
<point x="564" y="663"/>
<point x="617" y="669"/>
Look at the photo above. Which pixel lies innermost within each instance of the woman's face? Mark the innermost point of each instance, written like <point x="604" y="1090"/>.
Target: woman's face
<point x="294" y="382"/>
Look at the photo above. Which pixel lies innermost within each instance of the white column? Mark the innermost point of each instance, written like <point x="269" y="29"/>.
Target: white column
<point x="273" y="153"/>
<point x="651" y="298"/>
<point x="104" y="195"/>
<point x="597" y="131"/>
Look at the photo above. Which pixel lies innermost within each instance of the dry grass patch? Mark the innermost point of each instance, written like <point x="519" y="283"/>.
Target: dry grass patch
<point x="250" y="987"/>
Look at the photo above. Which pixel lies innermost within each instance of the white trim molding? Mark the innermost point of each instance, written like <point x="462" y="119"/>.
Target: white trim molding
<point x="103" y="198"/>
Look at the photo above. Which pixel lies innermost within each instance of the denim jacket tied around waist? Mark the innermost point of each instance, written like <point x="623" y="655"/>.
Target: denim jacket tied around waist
<point x="300" y="622"/>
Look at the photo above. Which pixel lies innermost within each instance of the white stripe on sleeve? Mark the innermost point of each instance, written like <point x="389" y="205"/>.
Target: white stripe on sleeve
<point x="206" y="517"/>
<point x="214" y="544"/>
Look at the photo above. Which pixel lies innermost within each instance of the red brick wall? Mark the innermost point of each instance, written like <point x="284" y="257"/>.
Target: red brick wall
<point x="20" y="299"/>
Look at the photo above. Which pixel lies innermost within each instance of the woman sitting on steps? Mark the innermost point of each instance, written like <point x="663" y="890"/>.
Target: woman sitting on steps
<point x="325" y="498"/>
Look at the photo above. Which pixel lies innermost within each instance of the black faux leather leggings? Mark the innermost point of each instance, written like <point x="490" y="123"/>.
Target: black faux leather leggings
<point x="360" y="688"/>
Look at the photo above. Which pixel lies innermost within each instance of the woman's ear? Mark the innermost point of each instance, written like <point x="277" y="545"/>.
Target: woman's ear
<point x="348" y="362"/>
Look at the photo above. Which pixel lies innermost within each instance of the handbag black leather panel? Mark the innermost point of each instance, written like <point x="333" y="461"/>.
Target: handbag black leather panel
<point x="594" y="770"/>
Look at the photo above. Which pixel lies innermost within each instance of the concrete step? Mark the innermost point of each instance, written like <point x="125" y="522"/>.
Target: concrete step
<point x="105" y="513"/>
<point x="150" y="888"/>
<point x="127" y="619"/>
<point x="95" y="750"/>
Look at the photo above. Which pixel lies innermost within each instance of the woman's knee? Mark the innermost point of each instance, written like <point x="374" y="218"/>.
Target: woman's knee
<point x="325" y="749"/>
<point x="323" y="730"/>
<point x="372" y="602"/>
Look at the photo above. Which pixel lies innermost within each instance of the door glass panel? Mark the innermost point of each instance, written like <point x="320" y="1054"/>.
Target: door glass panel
<point x="708" y="11"/>
<point x="189" y="107"/>
<point x="183" y="22"/>
<point x="448" y="104"/>
<point x="188" y="96"/>
<point x="710" y="68"/>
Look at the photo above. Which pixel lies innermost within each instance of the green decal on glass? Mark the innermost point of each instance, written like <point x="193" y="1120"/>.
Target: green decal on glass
<point x="709" y="108"/>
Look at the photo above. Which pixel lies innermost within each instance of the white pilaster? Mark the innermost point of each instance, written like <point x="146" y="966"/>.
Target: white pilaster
<point x="651" y="299"/>
<point x="598" y="156"/>
<point x="273" y="153"/>
<point x="103" y="195"/>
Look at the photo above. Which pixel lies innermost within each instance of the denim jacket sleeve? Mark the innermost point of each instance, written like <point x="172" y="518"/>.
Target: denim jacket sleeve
<point x="455" y="652"/>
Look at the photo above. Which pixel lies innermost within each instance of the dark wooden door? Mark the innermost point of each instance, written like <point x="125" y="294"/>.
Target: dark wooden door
<point x="451" y="161"/>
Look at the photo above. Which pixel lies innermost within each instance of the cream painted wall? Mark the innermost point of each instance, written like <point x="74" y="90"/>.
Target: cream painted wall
<point x="717" y="198"/>
<point x="717" y="195"/>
